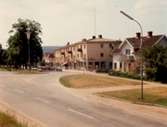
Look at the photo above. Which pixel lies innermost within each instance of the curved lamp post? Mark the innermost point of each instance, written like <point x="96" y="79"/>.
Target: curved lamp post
<point x="141" y="44"/>
<point x="28" y="33"/>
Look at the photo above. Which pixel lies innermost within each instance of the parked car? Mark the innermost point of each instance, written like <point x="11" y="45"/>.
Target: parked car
<point x="58" y="69"/>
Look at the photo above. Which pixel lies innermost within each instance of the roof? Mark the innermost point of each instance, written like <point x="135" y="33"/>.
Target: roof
<point x="99" y="40"/>
<point x="135" y="42"/>
<point x="117" y="50"/>
<point x="92" y="40"/>
<point x="147" y="41"/>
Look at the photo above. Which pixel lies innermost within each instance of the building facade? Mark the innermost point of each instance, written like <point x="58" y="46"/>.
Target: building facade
<point x="48" y="54"/>
<point x="126" y="57"/>
<point x="92" y="54"/>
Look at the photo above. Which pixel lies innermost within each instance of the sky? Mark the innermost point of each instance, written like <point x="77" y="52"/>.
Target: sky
<point x="65" y="21"/>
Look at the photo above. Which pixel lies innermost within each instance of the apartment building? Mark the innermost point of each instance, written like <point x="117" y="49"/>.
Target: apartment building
<point x="88" y="54"/>
<point x="48" y="54"/>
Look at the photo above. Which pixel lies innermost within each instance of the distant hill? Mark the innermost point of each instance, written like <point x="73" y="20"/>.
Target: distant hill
<point x="49" y="49"/>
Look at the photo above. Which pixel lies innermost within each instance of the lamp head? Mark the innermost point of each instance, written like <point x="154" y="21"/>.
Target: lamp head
<point x="128" y="16"/>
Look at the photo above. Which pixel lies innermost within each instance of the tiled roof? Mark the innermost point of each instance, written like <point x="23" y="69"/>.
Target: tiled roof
<point x="117" y="50"/>
<point x="116" y="43"/>
<point x="92" y="40"/>
<point x="135" y="42"/>
<point x="147" y="41"/>
<point x="99" y="40"/>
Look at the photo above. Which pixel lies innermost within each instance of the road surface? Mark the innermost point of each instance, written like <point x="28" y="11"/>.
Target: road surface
<point x="41" y="97"/>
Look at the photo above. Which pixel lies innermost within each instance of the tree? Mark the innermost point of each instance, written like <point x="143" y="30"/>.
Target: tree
<point x="156" y="63"/>
<point x="3" y="56"/>
<point x="0" y="54"/>
<point x="18" y="43"/>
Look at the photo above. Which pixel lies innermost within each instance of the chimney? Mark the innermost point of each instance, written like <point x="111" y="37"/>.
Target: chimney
<point x="150" y="34"/>
<point x="93" y="37"/>
<point x="84" y="40"/>
<point x="68" y="43"/>
<point x="138" y="35"/>
<point x="100" y="36"/>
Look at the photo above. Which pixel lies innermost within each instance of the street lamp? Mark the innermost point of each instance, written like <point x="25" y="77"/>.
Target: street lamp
<point x="28" y="33"/>
<point x="141" y="44"/>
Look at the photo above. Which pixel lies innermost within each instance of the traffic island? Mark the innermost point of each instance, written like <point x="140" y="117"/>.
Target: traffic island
<point x="152" y="96"/>
<point x="95" y="81"/>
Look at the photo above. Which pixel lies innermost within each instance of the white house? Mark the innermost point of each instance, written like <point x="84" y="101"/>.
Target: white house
<point x="126" y="58"/>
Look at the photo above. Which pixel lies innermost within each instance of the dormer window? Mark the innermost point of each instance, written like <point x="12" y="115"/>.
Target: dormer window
<point x="127" y="51"/>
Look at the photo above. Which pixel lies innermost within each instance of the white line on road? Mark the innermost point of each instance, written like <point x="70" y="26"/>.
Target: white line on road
<point x="81" y="113"/>
<point x="42" y="100"/>
<point x="18" y="91"/>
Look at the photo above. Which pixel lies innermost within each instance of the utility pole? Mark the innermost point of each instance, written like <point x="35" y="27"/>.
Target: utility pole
<point x="141" y="44"/>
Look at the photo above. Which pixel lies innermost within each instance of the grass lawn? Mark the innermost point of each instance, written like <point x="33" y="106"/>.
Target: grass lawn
<point x="91" y="81"/>
<point x="8" y="121"/>
<point x="151" y="95"/>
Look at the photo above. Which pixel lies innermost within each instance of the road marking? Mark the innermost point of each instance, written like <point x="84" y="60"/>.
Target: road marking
<point x="81" y="113"/>
<point x="18" y="91"/>
<point x="42" y="100"/>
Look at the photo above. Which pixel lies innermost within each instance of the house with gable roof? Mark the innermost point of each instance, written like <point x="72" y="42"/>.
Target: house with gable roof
<point x="126" y="57"/>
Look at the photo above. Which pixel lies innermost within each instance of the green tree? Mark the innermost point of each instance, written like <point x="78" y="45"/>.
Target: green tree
<point x="0" y="54"/>
<point x="156" y="63"/>
<point x="18" y="43"/>
<point x="3" y="56"/>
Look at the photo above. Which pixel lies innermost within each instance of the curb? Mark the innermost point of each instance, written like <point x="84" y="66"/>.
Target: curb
<point x="19" y="116"/>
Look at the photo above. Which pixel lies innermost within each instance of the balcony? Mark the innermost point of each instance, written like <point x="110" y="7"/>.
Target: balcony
<point x="130" y="58"/>
<point x="70" y="51"/>
<point x="63" y="53"/>
<point x="79" y="50"/>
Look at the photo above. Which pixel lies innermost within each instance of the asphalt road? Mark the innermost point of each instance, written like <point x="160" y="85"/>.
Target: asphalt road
<point x="43" y="98"/>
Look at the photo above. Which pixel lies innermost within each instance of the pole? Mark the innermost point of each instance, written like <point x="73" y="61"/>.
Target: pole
<point x="28" y="33"/>
<point x="141" y="44"/>
<point x="29" y="57"/>
<point x="141" y="65"/>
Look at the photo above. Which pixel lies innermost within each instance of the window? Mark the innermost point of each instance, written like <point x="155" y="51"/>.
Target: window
<point x="120" y="65"/>
<point x="115" y="65"/>
<point x="111" y="65"/>
<point x="90" y="63"/>
<point x="101" y="45"/>
<point x="102" y="54"/>
<point x="110" y="45"/>
<point x="127" y="52"/>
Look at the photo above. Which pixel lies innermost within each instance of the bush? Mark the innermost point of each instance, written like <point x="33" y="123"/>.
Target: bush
<point x="124" y="74"/>
<point x="102" y="71"/>
<point x="150" y="73"/>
